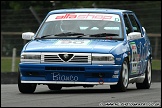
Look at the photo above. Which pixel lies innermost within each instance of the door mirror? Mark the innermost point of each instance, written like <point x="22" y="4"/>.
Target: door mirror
<point x="134" y="35"/>
<point x="27" y="35"/>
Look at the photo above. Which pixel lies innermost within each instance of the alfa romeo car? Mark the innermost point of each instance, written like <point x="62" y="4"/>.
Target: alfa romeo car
<point x="86" y="47"/>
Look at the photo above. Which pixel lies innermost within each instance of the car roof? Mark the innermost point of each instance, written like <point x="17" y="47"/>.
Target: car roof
<point x="93" y="10"/>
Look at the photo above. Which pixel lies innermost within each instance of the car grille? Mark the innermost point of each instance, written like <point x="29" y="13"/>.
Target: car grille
<point x="67" y="58"/>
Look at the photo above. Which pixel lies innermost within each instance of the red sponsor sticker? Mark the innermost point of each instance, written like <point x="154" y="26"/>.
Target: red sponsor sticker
<point x="84" y="16"/>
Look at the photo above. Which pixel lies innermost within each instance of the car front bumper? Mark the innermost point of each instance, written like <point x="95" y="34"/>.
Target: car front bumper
<point x="69" y="74"/>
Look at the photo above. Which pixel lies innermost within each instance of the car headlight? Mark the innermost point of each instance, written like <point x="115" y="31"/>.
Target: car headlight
<point x="103" y="59"/>
<point x="31" y="57"/>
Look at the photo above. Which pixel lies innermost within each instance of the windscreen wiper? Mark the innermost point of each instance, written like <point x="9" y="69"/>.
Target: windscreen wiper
<point x="69" y="34"/>
<point x="63" y="34"/>
<point x="49" y="35"/>
<point x="103" y="35"/>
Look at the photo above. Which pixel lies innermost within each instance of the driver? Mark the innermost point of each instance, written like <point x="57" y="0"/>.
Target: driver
<point x="68" y="26"/>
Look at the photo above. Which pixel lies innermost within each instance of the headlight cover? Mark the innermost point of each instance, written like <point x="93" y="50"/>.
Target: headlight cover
<point x="103" y="59"/>
<point x="30" y="57"/>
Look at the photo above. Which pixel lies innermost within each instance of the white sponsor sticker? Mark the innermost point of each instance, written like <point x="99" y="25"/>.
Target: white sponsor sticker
<point x="72" y="42"/>
<point x="84" y="16"/>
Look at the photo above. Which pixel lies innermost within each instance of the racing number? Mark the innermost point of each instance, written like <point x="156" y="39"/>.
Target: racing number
<point x="72" y="42"/>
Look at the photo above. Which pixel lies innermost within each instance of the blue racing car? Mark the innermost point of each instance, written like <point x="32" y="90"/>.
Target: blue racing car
<point x="86" y="47"/>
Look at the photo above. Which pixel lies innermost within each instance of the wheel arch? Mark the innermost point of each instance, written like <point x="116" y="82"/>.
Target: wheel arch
<point x="127" y="58"/>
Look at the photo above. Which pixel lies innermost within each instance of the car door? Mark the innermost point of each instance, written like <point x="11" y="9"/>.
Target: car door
<point x="141" y="43"/>
<point x="135" y="47"/>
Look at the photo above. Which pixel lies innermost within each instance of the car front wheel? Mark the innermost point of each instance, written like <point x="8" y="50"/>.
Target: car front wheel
<point x="123" y="79"/>
<point x="25" y="87"/>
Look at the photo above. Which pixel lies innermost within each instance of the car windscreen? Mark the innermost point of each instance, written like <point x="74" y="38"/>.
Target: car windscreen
<point x="83" y="24"/>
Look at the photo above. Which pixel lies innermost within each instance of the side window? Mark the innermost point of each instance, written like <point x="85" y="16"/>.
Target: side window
<point x="127" y="24"/>
<point x="135" y="25"/>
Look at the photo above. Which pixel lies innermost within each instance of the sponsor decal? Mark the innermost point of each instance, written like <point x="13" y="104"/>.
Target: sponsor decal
<point x="115" y="76"/>
<point x="84" y="16"/>
<point x="134" y="51"/>
<point x="135" y="58"/>
<point x="118" y="59"/>
<point x="72" y="42"/>
<point x="59" y="77"/>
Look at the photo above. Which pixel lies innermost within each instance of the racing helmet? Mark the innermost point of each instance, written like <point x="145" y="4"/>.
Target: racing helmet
<point x="68" y="26"/>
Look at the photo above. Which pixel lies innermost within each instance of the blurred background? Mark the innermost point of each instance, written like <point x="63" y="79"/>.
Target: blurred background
<point x="26" y="16"/>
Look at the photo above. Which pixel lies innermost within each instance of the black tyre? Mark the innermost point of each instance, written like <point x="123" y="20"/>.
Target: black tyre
<point x="54" y="87"/>
<point x="122" y="84"/>
<point x="147" y="81"/>
<point x="25" y="87"/>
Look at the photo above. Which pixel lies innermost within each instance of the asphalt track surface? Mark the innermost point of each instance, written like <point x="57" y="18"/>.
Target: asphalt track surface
<point x="98" y="96"/>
